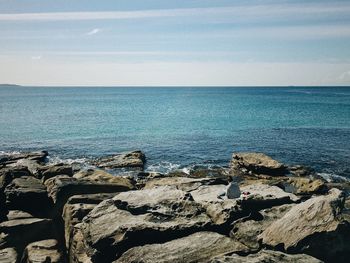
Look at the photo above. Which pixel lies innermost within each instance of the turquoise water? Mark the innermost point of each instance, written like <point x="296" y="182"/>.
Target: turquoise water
<point x="178" y="127"/>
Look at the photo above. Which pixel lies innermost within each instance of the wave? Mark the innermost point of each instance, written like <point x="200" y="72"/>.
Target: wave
<point x="333" y="178"/>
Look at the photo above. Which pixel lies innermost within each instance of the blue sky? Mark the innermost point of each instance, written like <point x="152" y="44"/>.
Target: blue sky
<point x="189" y="42"/>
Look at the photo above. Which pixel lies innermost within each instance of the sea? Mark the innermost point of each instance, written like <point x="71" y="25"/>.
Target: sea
<point x="181" y="127"/>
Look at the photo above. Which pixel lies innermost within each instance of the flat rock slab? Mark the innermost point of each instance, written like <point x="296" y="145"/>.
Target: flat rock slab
<point x="256" y="163"/>
<point x="182" y="183"/>
<point x="266" y="256"/>
<point x="198" y="247"/>
<point x="135" y="159"/>
<point x="258" y="196"/>
<point x="28" y="194"/>
<point x="143" y="217"/>
<point x="34" y="156"/>
<point x="60" y="188"/>
<point x="42" y="252"/>
<point x="20" y="232"/>
<point x="49" y="171"/>
<point x="315" y="227"/>
<point x="8" y="255"/>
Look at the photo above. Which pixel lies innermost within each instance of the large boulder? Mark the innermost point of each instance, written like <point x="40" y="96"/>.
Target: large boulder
<point x="39" y="157"/>
<point x="135" y="159"/>
<point x="246" y="230"/>
<point x="8" y="255"/>
<point x="315" y="227"/>
<point x="304" y="186"/>
<point x="266" y="256"/>
<point x="43" y="251"/>
<point x="77" y="250"/>
<point x="49" y="171"/>
<point x="19" y="233"/>
<point x="143" y="217"/>
<point x="256" y="163"/>
<point x="61" y="187"/>
<point x="28" y="194"/>
<point x="7" y="174"/>
<point x="198" y="247"/>
<point x="77" y="207"/>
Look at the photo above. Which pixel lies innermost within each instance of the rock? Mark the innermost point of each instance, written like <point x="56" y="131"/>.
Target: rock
<point x="233" y="191"/>
<point x="39" y="157"/>
<point x="20" y="232"/>
<point x="8" y="255"/>
<point x="258" y="196"/>
<point x="3" y="208"/>
<point x="315" y="227"/>
<point x="301" y="171"/>
<point x="49" y="171"/>
<point x="28" y="194"/>
<point x="266" y="256"/>
<point x="42" y="252"/>
<point x="246" y="230"/>
<point x="135" y="159"/>
<point x="61" y="187"/>
<point x="182" y="183"/>
<point x="304" y="186"/>
<point x="7" y="174"/>
<point x="17" y="214"/>
<point x="100" y="176"/>
<point x="144" y="217"/>
<point x="198" y="247"/>
<point x="212" y="173"/>
<point x="256" y="163"/>
<point x="221" y="210"/>
<point x="77" y="208"/>
<point x="32" y="166"/>
<point x="77" y="249"/>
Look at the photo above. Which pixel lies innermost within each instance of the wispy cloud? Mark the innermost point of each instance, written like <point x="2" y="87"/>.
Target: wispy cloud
<point x="243" y="12"/>
<point x="93" y="32"/>
<point x="36" y="57"/>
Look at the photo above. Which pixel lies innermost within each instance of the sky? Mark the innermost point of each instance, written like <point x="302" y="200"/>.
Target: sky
<point x="174" y="43"/>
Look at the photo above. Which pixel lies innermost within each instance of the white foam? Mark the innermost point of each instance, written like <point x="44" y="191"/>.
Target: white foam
<point x="332" y="177"/>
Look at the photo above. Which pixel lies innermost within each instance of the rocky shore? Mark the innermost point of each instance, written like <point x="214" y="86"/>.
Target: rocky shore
<point x="257" y="210"/>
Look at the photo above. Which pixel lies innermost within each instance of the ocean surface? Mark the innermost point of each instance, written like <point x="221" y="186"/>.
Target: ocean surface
<point x="181" y="127"/>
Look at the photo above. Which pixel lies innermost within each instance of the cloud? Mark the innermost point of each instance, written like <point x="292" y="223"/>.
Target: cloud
<point x="244" y="12"/>
<point x="36" y="57"/>
<point x="93" y="32"/>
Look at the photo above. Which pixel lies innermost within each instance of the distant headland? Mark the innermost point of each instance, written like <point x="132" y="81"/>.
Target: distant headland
<point x="9" y="85"/>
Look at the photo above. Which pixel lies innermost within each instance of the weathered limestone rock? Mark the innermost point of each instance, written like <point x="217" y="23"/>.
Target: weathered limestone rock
<point x="246" y="230"/>
<point x="34" y="156"/>
<point x="302" y="171"/>
<point x="135" y="159"/>
<point x="8" y="255"/>
<point x="77" y="248"/>
<point x="221" y="210"/>
<point x="28" y="194"/>
<point x="42" y="252"/>
<point x="20" y="232"/>
<point x="60" y="188"/>
<point x="100" y="176"/>
<point x="256" y="163"/>
<point x="77" y="208"/>
<point x="144" y="217"/>
<point x="17" y="214"/>
<point x="198" y="247"/>
<point x="266" y="256"/>
<point x="49" y="171"/>
<point x="258" y="196"/>
<point x="304" y="186"/>
<point x="182" y="183"/>
<point x="7" y="174"/>
<point x="315" y="227"/>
